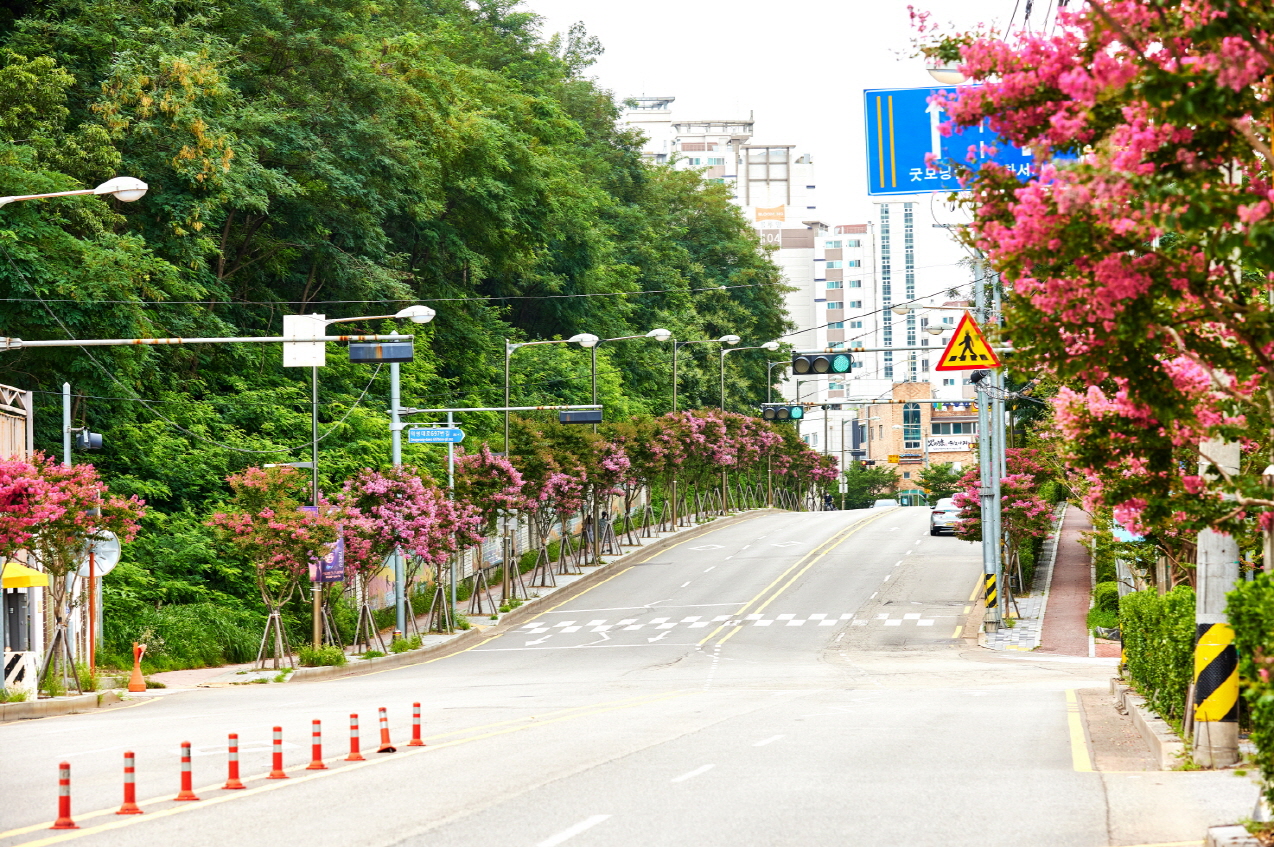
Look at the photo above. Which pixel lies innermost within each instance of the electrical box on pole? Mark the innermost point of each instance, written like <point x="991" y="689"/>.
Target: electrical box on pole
<point x="385" y="352"/>
<point x="307" y="354"/>
<point x="586" y="416"/>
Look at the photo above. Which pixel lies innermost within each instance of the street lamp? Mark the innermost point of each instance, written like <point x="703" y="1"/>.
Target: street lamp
<point x="677" y="345"/>
<point x="583" y="339"/>
<point x="769" y="345"/>
<point x="416" y="314"/>
<point x="769" y="379"/>
<point x="126" y="189"/>
<point x="656" y="334"/>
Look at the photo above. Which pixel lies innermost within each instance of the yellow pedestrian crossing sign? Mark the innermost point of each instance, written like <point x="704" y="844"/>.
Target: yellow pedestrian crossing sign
<point x="968" y="349"/>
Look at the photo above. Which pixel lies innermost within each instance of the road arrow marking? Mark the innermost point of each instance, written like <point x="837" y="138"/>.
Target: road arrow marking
<point x="539" y="640"/>
<point x="659" y="636"/>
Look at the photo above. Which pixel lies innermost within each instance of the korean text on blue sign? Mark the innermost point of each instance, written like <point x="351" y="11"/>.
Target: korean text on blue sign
<point x="435" y="435"/>
<point x="903" y="127"/>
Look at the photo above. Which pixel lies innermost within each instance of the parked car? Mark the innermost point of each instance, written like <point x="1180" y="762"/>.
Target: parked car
<point x="884" y="504"/>
<point x="944" y="515"/>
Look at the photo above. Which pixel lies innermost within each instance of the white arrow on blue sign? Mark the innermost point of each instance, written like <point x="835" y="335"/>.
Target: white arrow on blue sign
<point x="903" y="127"/>
<point x="435" y="435"/>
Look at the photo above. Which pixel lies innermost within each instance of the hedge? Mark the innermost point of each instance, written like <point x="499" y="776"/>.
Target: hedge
<point x="1158" y="638"/>
<point x="1251" y="613"/>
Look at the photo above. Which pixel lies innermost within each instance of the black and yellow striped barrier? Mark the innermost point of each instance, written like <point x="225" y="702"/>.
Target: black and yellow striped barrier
<point x="990" y="591"/>
<point x="1216" y="674"/>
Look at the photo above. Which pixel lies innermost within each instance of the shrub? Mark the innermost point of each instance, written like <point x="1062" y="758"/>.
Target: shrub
<point x="402" y="645"/>
<point x="322" y="657"/>
<point x="180" y="636"/>
<point x="372" y="654"/>
<point x="1158" y="636"/>
<point x="1251" y="613"/>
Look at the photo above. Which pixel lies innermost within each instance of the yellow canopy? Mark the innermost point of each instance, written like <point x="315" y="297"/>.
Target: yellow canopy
<point x="20" y="576"/>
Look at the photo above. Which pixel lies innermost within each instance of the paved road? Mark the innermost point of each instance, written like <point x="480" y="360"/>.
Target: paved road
<point x="789" y="679"/>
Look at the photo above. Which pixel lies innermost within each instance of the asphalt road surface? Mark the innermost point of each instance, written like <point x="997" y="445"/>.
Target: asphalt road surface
<point x="785" y="679"/>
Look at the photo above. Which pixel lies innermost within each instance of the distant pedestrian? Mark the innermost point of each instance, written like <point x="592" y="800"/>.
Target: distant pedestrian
<point x="828" y="504"/>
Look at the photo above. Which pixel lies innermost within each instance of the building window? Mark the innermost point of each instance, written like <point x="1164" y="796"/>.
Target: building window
<point x="835" y="386"/>
<point x="924" y="366"/>
<point x="854" y="242"/>
<point x="855" y="283"/>
<point x="833" y="265"/>
<point x="833" y="284"/>
<point x="854" y="263"/>
<point x="714" y="161"/>
<point x="831" y="245"/>
<point x="836" y="325"/>
<point x="855" y="324"/>
<point x="855" y="304"/>
<point x="693" y="162"/>
<point x="948" y="382"/>
<point x="948" y="320"/>
<point x="962" y="428"/>
<point x="835" y="305"/>
<point x="910" y="425"/>
<point x="906" y="475"/>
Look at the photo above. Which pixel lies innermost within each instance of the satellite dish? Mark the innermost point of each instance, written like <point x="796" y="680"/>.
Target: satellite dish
<point x="106" y="550"/>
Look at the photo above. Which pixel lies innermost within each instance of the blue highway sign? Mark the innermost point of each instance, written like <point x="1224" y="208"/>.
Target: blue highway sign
<point x="435" y="435"/>
<point x="903" y="126"/>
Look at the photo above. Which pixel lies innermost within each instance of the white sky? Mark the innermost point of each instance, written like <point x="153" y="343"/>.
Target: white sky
<point x="800" y="68"/>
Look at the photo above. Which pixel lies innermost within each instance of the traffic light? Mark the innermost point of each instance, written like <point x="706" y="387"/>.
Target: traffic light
<point x="783" y="413"/>
<point x="835" y="362"/>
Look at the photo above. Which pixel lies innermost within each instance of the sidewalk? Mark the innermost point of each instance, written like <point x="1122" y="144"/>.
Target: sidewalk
<point x="1024" y="636"/>
<point x="1065" y="631"/>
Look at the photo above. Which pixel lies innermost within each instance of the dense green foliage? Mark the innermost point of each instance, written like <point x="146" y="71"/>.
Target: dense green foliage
<point x="939" y="481"/>
<point x="1105" y="610"/>
<point x="1158" y="637"/>
<point x="864" y="485"/>
<point x="1251" y="613"/>
<point x="348" y="158"/>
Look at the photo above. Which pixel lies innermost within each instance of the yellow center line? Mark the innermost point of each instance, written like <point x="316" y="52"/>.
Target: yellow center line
<point x="310" y="776"/>
<point x="976" y="588"/>
<point x="817" y="551"/>
<point x="1080" y="759"/>
<point x="958" y="630"/>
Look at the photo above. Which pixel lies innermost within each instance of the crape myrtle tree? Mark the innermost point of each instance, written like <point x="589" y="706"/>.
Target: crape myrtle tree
<point x="267" y="522"/>
<point x="1138" y="267"/>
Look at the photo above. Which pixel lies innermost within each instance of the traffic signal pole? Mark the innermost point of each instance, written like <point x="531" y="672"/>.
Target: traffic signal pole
<point x="396" y="458"/>
<point x="987" y="494"/>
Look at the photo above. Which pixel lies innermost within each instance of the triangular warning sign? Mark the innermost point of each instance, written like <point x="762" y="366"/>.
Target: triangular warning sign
<point x="968" y="349"/>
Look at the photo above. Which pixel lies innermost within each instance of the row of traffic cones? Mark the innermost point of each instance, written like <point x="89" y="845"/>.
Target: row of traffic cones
<point x="233" y="781"/>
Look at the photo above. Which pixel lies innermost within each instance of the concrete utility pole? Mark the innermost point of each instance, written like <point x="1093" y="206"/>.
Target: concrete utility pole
<point x="1216" y="675"/>
<point x="987" y="493"/>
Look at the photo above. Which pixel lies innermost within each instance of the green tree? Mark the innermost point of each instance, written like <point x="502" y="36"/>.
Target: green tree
<point x="864" y="485"/>
<point x="939" y="481"/>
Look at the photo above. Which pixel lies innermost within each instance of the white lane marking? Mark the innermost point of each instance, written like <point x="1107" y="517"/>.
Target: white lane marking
<point x="817" y="617"/>
<point x="841" y="635"/>
<point x="710" y="569"/>
<point x="769" y="740"/>
<point x="539" y="640"/>
<point x="572" y="831"/>
<point x="691" y="620"/>
<point x="627" y="621"/>
<point x="873" y="595"/>
<point x="684" y="584"/>
<point x="572" y="628"/>
<point x="667" y="625"/>
<point x="785" y="544"/>
<point x="856" y="623"/>
<point x="727" y="558"/>
<point x="661" y="635"/>
<point x="827" y="623"/>
<point x="911" y="616"/>
<point x="894" y="622"/>
<point x="693" y="773"/>
<point x="786" y="617"/>
<point x="763" y="623"/>
<point x="564" y="623"/>
<point x="698" y="625"/>
<point x="596" y="622"/>
<point x="658" y="620"/>
<point x="709" y="547"/>
<point x="924" y="623"/>
<point x="887" y="577"/>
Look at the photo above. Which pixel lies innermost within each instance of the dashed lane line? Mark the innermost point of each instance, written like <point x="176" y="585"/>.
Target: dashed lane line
<point x="572" y="831"/>
<point x="692" y="774"/>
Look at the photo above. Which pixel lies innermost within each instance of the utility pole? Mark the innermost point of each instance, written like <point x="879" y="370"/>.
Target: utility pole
<point x="396" y="458"/>
<point x="1216" y="676"/>
<point x="987" y="490"/>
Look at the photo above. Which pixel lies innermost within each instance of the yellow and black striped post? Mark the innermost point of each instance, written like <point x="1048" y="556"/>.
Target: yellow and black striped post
<point x="990" y="592"/>
<point x="1216" y="694"/>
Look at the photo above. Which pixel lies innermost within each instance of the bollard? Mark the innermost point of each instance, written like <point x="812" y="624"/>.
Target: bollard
<point x="415" y="727"/>
<point x="187" y="790"/>
<point x="385" y="745"/>
<point x="64" y="798"/>
<point x="316" y="748"/>
<point x="354" y="755"/>
<point x="130" y="788"/>
<point x="277" y="771"/>
<point x="232" y="780"/>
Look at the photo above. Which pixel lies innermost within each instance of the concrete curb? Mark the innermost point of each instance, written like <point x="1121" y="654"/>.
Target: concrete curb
<point x="30" y="709"/>
<point x="528" y="609"/>
<point x="1164" y="743"/>
<point x="1231" y="836"/>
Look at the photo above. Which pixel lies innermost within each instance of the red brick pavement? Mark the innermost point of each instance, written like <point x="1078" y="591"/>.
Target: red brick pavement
<point x="1065" y="625"/>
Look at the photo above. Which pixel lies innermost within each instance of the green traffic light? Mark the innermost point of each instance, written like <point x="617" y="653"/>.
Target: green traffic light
<point x="841" y="363"/>
<point x="797" y="413"/>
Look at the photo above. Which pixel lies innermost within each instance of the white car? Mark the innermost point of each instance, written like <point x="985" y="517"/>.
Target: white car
<point x="884" y="504"/>
<point x="944" y="515"/>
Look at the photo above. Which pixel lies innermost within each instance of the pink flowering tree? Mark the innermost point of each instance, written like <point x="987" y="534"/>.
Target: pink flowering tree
<point x="490" y="484"/>
<point x="384" y="511"/>
<point x="1025" y="513"/>
<point x="1138" y="265"/>
<point x="267" y="521"/>
<point x="26" y="501"/>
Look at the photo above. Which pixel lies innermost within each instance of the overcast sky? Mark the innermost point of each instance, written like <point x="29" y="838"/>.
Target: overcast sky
<point x="800" y="68"/>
